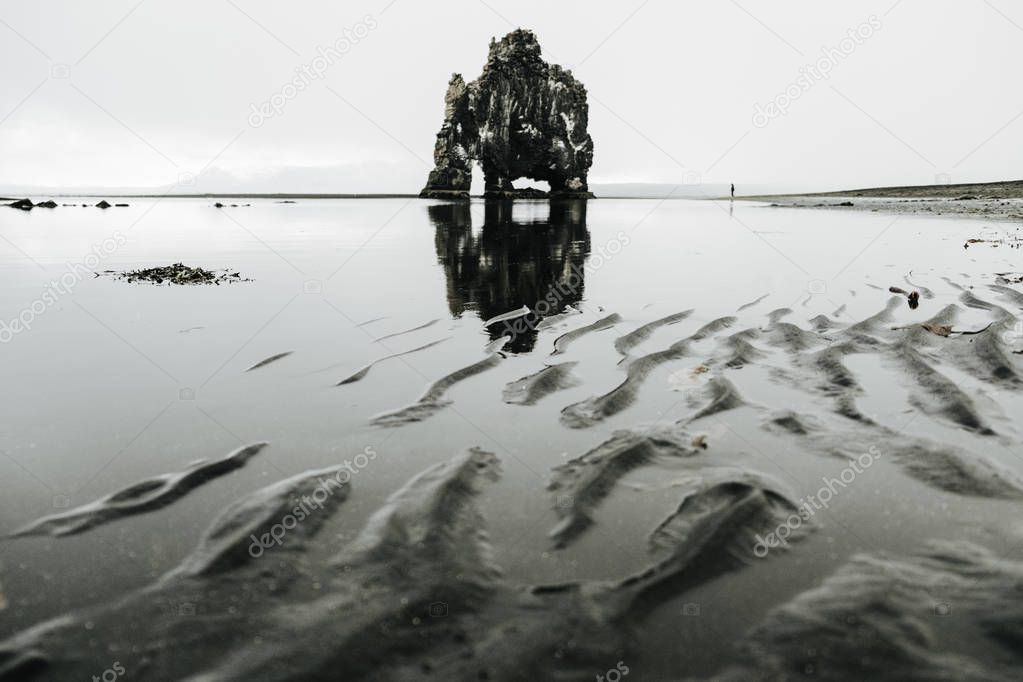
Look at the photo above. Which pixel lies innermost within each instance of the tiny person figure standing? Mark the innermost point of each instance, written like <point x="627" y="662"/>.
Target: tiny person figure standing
<point x="733" y="190"/>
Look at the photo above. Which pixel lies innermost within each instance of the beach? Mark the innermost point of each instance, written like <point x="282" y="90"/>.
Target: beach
<point x="994" y="201"/>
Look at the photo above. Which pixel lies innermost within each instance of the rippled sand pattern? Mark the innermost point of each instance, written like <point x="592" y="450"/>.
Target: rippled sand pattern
<point x="429" y="545"/>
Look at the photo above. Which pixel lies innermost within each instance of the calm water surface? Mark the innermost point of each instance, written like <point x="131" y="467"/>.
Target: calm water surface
<point x="118" y="382"/>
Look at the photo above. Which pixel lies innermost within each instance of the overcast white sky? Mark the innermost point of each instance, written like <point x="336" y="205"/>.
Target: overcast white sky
<point x="122" y="93"/>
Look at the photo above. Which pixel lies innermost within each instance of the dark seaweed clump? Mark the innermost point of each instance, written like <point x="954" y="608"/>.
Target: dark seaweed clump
<point x="180" y="274"/>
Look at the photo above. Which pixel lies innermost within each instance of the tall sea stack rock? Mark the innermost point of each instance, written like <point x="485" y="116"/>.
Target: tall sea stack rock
<point x="522" y="118"/>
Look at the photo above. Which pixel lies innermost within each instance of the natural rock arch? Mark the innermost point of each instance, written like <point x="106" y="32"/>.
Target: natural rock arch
<point x="522" y="118"/>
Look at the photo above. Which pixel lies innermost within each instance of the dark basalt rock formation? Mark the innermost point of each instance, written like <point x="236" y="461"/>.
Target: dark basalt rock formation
<point x="522" y="118"/>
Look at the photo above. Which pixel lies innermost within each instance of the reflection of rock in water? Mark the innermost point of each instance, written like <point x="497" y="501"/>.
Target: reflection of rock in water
<point x="512" y="263"/>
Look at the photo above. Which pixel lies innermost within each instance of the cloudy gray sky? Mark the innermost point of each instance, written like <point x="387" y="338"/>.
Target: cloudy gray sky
<point x="122" y="93"/>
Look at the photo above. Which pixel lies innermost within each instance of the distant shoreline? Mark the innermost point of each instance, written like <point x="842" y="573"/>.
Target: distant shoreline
<point x="981" y="191"/>
<point x="95" y="195"/>
<point x="1002" y="201"/>
<point x="1005" y="189"/>
<point x="259" y="195"/>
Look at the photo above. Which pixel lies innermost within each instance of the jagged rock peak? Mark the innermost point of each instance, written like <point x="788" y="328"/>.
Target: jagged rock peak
<point x="522" y="118"/>
<point x="520" y="47"/>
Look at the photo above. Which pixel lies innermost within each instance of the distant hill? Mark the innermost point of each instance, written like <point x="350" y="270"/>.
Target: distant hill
<point x="1005" y="189"/>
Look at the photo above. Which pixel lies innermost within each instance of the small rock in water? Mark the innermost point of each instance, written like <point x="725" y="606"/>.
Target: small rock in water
<point x="103" y="204"/>
<point x="23" y="204"/>
<point x="47" y="204"/>
<point x="913" y="297"/>
<point x="218" y="205"/>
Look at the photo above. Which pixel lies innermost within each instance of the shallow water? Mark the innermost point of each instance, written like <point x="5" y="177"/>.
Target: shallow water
<point x="117" y="383"/>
